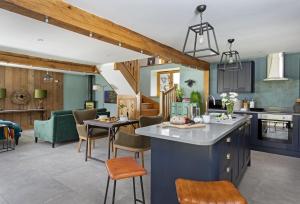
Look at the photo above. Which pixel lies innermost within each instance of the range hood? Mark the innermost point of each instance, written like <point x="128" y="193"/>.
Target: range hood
<point x="275" y="67"/>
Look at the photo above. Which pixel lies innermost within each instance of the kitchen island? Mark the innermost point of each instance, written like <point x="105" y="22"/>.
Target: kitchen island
<point x="214" y="152"/>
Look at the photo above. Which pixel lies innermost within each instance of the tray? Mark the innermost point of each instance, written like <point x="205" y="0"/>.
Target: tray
<point x="185" y="126"/>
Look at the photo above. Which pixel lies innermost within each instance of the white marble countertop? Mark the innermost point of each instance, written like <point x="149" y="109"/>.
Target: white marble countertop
<point x="208" y="135"/>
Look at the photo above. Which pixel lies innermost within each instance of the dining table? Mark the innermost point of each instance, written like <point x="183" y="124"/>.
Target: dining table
<point x="112" y="127"/>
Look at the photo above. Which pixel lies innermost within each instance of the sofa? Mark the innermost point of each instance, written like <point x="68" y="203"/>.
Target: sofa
<point x="61" y="127"/>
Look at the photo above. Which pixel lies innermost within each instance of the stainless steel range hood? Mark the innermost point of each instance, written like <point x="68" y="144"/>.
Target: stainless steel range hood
<point x="275" y="67"/>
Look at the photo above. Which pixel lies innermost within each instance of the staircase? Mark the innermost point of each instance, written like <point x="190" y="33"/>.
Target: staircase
<point x="131" y="72"/>
<point x="166" y="99"/>
<point x="149" y="107"/>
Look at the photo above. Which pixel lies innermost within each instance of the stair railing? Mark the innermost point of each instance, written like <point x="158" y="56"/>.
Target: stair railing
<point x="166" y="100"/>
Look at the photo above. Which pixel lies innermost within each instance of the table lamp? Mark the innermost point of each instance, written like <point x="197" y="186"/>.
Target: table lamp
<point x="40" y="94"/>
<point x="2" y="96"/>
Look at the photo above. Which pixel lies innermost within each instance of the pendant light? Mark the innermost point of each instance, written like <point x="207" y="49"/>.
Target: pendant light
<point x="230" y="60"/>
<point x="47" y="77"/>
<point x="201" y="39"/>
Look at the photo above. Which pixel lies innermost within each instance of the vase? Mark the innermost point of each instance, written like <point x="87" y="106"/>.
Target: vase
<point x="229" y="108"/>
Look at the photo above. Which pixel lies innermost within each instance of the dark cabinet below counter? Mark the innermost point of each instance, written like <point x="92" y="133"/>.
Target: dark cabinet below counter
<point x="240" y="81"/>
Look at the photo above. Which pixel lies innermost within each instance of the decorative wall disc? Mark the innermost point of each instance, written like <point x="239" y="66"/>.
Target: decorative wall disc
<point x="20" y="97"/>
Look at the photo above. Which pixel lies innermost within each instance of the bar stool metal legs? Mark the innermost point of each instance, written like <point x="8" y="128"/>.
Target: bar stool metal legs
<point x="134" y="191"/>
<point x="106" y="191"/>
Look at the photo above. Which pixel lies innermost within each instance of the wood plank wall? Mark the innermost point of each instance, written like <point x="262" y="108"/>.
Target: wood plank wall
<point x="15" y="79"/>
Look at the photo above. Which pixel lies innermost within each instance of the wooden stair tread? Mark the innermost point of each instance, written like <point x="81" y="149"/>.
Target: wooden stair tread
<point x="150" y="109"/>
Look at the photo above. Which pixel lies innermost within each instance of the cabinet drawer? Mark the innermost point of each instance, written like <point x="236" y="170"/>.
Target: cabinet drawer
<point x="225" y="160"/>
<point x="226" y="173"/>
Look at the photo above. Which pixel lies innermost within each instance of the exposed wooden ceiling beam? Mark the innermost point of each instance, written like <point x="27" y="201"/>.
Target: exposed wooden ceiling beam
<point x="46" y="63"/>
<point x="64" y="15"/>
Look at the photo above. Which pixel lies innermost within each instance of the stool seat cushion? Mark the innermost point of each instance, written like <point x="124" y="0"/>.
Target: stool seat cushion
<point x="124" y="167"/>
<point x="217" y="192"/>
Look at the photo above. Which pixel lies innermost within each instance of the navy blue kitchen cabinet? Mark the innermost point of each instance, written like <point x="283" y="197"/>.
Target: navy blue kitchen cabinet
<point x="241" y="81"/>
<point x="235" y="154"/>
<point x="223" y="160"/>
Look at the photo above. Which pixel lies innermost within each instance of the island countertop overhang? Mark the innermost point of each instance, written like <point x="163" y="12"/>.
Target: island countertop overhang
<point x="208" y="135"/>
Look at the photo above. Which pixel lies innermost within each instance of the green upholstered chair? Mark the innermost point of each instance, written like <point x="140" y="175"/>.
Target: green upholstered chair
<point x="61" y="127"/>
<point x="136" y="143"/>
<point x="97" y="133"/>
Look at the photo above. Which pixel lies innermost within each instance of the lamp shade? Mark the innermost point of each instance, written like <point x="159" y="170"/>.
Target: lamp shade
<point x="2" y="93"/>
<point x="40" y="93"/>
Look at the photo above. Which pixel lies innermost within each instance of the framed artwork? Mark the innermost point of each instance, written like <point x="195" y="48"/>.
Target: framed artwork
<point x="110" y="97"/>
<point x="151" y="61"/>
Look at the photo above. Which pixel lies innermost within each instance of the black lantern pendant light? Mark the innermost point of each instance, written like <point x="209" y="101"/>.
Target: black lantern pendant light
<point x="230" y="60"/>
<point x="201" y="39"/>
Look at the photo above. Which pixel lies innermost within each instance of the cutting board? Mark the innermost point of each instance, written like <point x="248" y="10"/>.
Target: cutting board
<point x="185" y="126"/>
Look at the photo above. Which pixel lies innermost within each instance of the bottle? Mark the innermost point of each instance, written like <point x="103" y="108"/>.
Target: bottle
<point x="252" y="103"/>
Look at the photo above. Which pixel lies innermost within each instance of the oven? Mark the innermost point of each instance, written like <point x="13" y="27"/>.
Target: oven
<point x="277" y="128"/>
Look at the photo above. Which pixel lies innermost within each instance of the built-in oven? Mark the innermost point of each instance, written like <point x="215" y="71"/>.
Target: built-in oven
<point x="275" y="128"/>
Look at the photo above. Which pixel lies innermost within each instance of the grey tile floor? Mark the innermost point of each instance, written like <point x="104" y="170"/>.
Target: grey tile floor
<point x="36" y="174"/>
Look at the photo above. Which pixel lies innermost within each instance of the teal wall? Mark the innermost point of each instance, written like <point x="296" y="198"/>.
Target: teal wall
<point x="196" y="75"/>
<point x="272" y="93"/>
<point x="75" y="91"/>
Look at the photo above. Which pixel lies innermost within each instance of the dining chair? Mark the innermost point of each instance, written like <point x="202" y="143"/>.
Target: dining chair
<point x="97" y="133"/>
<point x="136" y="143"/>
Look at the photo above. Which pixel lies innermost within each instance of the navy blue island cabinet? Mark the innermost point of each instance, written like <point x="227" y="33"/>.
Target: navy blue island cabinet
<point x="227" y="159"/>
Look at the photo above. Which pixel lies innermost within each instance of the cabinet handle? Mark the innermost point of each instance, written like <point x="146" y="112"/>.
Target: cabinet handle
<point x="228" y="140"/>
<point x="228" y="156"/>
<point x="228" y="169"/>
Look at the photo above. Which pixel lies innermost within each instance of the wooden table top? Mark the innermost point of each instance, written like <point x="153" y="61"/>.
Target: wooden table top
<point x="98" y="123"/>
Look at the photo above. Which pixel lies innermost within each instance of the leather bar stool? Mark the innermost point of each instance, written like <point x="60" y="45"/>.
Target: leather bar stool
<point x="123" y="168"/>
<point x="216" y="192"/>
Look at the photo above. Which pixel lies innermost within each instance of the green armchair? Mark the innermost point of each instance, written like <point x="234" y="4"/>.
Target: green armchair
<point x="61" y="127"/>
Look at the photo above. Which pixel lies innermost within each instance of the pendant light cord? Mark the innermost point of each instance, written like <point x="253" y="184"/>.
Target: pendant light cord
<point x="201" y="21"/>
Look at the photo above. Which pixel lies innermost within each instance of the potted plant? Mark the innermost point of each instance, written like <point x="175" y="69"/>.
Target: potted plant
<point x="228" y="100"/>
<point x="179" y="94"/>
<point x="123" y="113"/>
<point x="196" y="98"/>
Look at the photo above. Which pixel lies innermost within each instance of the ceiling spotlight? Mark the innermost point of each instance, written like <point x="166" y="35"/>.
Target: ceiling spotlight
<point x="91" y="34"/>
<point x="142" y="51"/>
<point x="46" y="19"/>
<point x="120" y="44"/>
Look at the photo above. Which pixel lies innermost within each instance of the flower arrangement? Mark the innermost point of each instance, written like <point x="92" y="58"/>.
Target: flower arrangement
<point x="228" y="100"/>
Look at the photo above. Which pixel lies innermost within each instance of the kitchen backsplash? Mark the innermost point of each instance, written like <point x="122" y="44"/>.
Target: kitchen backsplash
<point x="273" y="93"/>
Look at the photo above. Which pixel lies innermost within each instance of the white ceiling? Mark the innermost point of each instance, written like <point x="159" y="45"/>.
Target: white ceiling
<point x="22" y="35"/>
<point x="259" y="27"/>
